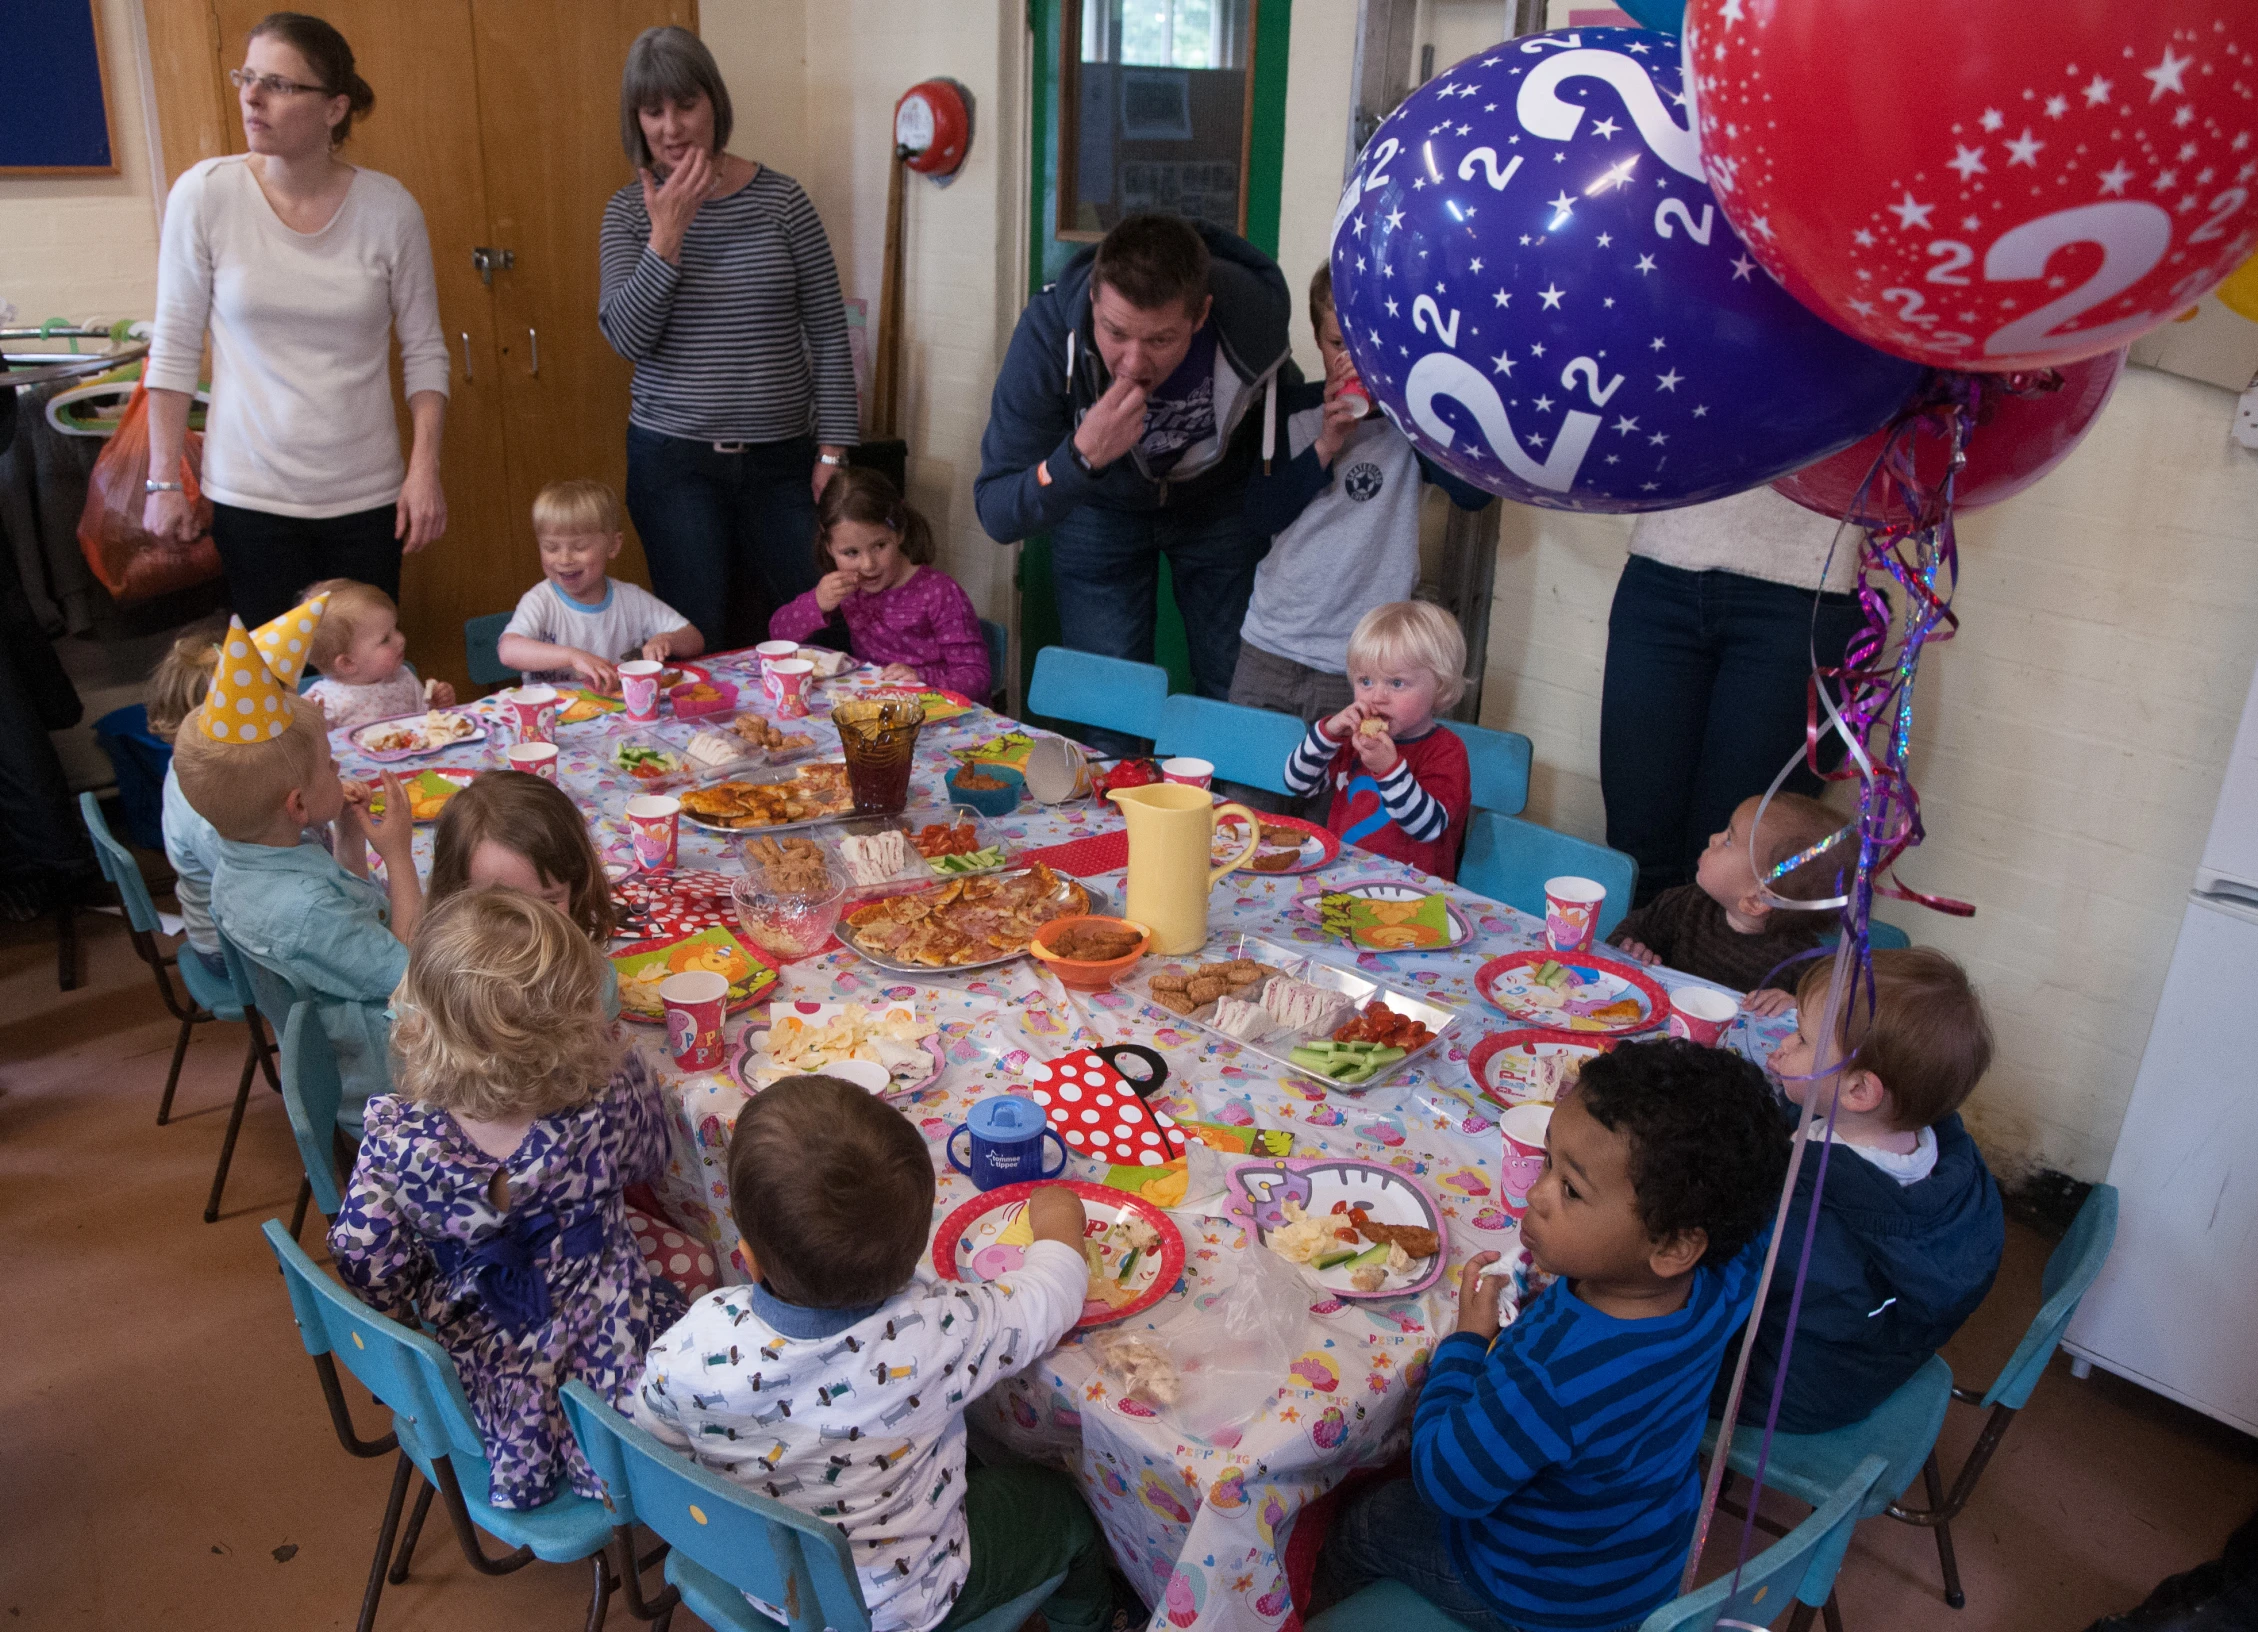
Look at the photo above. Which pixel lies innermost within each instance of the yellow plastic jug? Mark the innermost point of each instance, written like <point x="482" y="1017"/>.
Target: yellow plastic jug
<point x="1171" y="839"/>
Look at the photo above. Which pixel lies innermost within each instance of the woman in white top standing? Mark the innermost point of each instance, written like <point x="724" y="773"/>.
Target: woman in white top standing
<point x="302" y="267"/>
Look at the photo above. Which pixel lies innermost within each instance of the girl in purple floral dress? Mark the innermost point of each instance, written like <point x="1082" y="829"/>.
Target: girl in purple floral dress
<point x="881" y="597"/>
<point x="487" y="1200"/>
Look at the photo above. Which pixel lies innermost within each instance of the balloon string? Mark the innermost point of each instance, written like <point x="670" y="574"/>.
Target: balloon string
<point x="1865" y="700"/>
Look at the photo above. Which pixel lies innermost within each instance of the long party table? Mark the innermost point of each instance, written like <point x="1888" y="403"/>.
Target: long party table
<point x="1197" y="1520"/>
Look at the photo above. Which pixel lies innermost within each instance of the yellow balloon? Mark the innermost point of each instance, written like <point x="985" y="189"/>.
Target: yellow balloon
<point x="2239" y="294"/>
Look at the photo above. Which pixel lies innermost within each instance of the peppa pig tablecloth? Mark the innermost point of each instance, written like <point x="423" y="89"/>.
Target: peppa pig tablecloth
<point x="1197" y="1520"/>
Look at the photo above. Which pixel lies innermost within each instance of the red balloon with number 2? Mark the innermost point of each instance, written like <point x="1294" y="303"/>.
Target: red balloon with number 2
<point x="1985" y="185"/>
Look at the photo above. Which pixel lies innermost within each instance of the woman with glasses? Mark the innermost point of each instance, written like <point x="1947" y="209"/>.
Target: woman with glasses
<point x="718" y="285"/>
<point x="302" y="268"/>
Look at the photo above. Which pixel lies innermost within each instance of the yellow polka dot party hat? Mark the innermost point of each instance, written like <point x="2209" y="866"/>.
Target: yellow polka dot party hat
<point x="254" y="691"/>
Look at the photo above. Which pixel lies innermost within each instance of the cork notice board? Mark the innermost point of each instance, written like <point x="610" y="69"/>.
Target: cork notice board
<point x="54" y="117"/>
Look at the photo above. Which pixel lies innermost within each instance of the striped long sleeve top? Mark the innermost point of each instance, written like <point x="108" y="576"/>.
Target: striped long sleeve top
<point x="1415" y="814"/>
<point x="1563" y="1458"/>
<point x="745" y="340"/>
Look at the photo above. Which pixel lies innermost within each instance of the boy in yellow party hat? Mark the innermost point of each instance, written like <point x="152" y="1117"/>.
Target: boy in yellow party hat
<point x="254" y="761"/>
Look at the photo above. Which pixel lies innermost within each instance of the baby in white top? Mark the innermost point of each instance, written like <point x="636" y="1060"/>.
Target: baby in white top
<point x="362" y="658"/>
<point x="577" y="621"/>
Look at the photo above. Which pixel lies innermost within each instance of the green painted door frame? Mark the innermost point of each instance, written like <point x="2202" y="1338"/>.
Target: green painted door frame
<point x="1048" y="255"/>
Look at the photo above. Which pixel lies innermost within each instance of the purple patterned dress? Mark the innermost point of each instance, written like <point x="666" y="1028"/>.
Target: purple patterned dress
<point x="527" y="1301"/>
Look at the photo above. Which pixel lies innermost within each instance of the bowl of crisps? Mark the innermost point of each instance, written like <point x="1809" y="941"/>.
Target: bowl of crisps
<point x="790" y="916"/>
<point x="1090" y="952"/>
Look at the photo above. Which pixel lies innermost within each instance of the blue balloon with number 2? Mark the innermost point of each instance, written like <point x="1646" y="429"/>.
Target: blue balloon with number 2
<point x="1538" y="288"/>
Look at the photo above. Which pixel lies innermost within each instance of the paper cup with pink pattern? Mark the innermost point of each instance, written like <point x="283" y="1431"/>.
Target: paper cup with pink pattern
<point x="639" y="689"/>
<point x="654" y="822"/>
<point x="1701" y="1013"/>
<point x="770" y="653"/>
<point x="791" y="678"/>
<point x="695" y="1001"/>
<point x="1572" y="912"/>
<point x="532" y="713"/>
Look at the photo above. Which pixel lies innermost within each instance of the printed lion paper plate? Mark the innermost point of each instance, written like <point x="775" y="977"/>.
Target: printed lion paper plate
<point x="1134" y="1251"/>
<point x="644" y="965"/>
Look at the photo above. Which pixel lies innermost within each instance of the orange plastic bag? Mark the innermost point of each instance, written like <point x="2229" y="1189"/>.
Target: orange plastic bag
<point x="132" y="563"/>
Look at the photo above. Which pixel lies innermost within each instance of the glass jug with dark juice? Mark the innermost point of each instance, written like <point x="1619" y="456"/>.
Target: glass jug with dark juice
<point x="878" y="738"/>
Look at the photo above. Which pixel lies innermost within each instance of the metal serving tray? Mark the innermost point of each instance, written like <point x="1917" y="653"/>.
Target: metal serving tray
<point x="1276" y="1046"/>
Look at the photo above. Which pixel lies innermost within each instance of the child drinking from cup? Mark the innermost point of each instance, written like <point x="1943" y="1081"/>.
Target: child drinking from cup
<point x="487" y="1201"/>
<point x="578" y="621"/>
<point x="833" y="1193"/>
<point x="1554" y="1480"/>
<point x="1399" y="782"/>
<point x="1910" y="1229"/>
<point x="361" y="654"/>
<point x="1721" y="927"/>
<point x="881" y="596"/>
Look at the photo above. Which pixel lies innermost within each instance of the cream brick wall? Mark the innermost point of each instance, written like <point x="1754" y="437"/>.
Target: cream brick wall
<point x="86" y="246"/>
<point x="2068" y="744"/>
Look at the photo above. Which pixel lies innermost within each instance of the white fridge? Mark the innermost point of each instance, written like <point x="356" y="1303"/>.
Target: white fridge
<point x="2176" y="1307"/>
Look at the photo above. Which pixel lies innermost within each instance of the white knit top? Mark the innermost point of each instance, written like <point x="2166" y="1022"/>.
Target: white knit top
<point x="302" y="420"/>
<point x="1757" y="534"/>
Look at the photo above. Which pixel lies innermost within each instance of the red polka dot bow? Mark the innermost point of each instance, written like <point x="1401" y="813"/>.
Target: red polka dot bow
<point x="1102" y="1114"/>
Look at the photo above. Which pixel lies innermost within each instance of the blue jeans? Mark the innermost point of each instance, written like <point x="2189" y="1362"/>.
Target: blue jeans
<point x="724" y="532"/>
<point x="1702" y="704"/>
<point x="1107" y="567"/>
<point x="1387" y="1532"/>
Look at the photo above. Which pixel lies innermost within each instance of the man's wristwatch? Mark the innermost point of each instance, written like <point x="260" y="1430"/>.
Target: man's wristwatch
<point x="163" y="487"/>
<point x="834" y="459"/>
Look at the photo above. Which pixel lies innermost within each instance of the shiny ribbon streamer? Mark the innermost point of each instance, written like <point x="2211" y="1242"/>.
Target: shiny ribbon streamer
<point x="1867" y="702"/>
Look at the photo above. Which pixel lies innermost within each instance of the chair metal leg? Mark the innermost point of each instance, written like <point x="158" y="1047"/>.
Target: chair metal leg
<point x="298" y="1212"/>
<point x="66" y="945"/>
<point x="466" y="1531"/>
<point x="1950" y="1565"/>
<point x="412" y="1534"/>
<point x="600" y="1599"/>
<point x="234" y="1126"/>
<point x="265" y="1048"/>
<point x="1801" y="1620"/>
<point x="384" y="1542"/>
<point x="172" y="1077"/>
<point x="658" y="1610"/>
<point x="1832" y="1611"/>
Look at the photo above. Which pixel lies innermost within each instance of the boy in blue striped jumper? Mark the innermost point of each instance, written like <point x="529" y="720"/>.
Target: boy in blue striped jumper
<point x="1554" y="1480"/>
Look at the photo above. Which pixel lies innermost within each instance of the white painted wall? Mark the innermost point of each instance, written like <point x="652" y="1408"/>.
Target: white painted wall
<point x="86" y="246"/>
<point x="814" y="88"/>
<point x="1320" y="95"/>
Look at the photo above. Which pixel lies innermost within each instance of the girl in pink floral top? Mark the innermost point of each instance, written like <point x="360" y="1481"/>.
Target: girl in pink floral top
<point x="880" y="591"/>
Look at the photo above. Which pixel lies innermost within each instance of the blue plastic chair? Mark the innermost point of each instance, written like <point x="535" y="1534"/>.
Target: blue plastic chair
<point x="998" y="641"/>
<point x="207" y="998"/>
<point x="1805" y="1562"/>
<point x="1880" y="937"/>
<point x="1111" y="693"/>
<point x="1508" y="859"/>
<point x="1249" y="745"/>
<point x="311" y="1093"/>
<point x="2070" y="1271"/>
<point x="1497" y="762"/>
<point x="482" y="650"/>
<point x="434" y="1432"/>
<point x="725" y="1540"/>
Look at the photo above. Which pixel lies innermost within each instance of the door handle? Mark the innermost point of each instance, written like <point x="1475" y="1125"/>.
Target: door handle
<point x="533" y="344"/>
<point x="467" y="380"/>
<point x="488" y="261"/>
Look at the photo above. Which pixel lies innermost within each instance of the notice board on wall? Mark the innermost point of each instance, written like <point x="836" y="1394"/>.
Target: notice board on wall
<point x="54" y="114"/>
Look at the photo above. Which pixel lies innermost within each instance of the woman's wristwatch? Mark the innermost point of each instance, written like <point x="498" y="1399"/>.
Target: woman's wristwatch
<point x="163" y="487"/>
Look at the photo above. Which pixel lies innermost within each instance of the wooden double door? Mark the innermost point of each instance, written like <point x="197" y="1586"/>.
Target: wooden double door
<point x="502" y="118"/>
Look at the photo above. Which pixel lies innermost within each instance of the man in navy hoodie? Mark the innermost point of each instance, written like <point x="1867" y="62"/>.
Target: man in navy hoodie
<point x="1910" y="1225"/>
<point x="1134" y="402"/>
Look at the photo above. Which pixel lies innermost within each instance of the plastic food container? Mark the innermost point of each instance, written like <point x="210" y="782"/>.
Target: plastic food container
<point x="1083" y="974"/>
<point x="694" y="699"/>
<point x="784" y="923"/>
<point x="988" y="801"/>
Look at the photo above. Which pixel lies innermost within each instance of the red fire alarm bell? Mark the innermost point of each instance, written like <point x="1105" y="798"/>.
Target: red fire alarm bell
<point x="933" y="126"/>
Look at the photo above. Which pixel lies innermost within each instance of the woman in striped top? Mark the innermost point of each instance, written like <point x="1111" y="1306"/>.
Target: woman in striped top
<point x="718" y="285"/>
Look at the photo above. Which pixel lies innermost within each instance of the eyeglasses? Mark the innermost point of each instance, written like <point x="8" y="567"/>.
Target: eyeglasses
<point x="271" y="84"/>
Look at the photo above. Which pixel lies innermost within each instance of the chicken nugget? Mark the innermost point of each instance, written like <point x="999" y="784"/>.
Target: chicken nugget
<point x="1206" y="990"/>
<point x="1170" y="980"/>
<point x="1175" y="1002"/>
